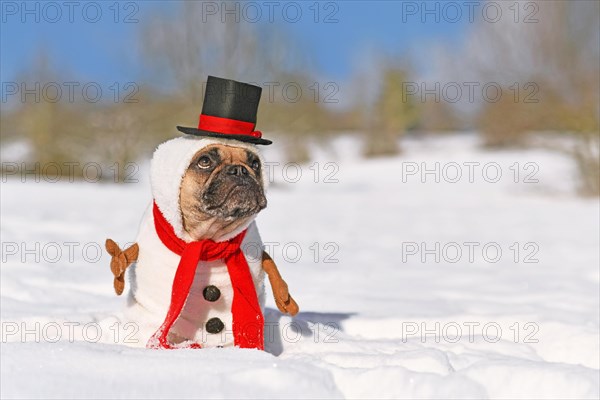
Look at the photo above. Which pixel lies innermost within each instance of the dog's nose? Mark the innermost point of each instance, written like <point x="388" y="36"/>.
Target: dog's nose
<point x="236" y="170"/>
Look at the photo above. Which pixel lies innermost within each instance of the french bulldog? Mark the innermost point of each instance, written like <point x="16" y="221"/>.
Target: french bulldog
<point x="220" y="192"/>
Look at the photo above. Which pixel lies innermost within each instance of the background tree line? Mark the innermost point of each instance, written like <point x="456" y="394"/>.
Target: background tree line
<point x="560" y="55"/>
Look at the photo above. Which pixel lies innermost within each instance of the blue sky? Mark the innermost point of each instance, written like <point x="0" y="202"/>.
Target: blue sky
<point x="104" y="50"/>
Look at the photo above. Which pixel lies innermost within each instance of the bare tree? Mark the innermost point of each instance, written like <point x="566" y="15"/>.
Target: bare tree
<point x="393" y="113"/>
<point x="557" y="53"/>
<point x="194" y="45"/>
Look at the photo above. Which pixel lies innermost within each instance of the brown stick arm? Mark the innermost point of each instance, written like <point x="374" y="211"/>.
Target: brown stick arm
<point x="121" y="259"/>
<point x="283" y="299"/>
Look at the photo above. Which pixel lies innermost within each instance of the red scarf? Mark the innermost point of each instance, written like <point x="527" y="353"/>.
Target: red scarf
<point x="248" y="321"/>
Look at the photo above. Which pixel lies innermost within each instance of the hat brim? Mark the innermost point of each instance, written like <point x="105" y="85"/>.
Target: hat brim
<point x="241" y="138"/>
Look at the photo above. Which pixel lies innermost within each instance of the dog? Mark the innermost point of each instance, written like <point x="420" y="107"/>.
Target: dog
<point x="198" y="264"/>
<point x="221" y="192"/>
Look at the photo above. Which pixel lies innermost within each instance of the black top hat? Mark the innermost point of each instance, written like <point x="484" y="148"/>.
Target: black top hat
<point x="229" y="112"/>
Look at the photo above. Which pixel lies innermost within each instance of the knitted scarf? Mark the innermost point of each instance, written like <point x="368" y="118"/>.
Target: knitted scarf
<point x="248" y="321"/>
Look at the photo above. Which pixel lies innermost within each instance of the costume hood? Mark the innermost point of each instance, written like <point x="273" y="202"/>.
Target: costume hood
<point x="168" y="166"/>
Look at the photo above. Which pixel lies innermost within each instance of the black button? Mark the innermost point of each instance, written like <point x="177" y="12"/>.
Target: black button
<point x="211" y="293"/>
<point x="214" y="325"/>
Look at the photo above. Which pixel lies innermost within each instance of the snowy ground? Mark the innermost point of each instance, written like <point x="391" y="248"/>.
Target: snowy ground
<point x="387" y="320"/>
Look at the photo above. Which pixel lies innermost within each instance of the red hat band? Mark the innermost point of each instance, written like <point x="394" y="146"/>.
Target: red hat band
<point x="227" y="126"/>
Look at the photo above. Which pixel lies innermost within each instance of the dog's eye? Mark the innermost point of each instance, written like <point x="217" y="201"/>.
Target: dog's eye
<point x="204" y="162"/>
<point x="255" y="165"/>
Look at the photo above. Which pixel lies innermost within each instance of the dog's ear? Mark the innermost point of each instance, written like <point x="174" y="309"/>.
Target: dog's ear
<point x="112" y="248"/>
<point x="131" y="254"/>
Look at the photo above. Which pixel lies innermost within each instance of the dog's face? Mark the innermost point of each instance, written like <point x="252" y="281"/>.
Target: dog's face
<point x="221" y="190"/>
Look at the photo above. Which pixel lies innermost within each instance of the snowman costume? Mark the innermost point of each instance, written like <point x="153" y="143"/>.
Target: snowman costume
<point x="187" y="293"/>
<point x="152" y="276"/>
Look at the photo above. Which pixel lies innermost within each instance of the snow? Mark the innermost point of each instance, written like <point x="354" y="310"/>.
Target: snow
<point x="387" y="320"/>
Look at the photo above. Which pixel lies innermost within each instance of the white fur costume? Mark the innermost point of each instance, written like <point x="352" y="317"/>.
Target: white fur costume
<point x="151" y="277"/>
